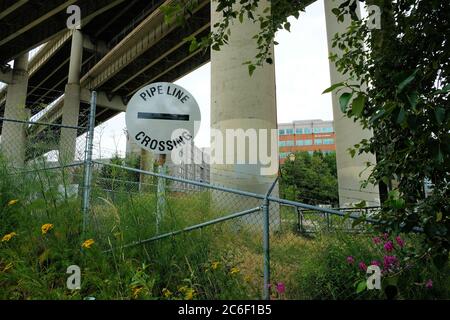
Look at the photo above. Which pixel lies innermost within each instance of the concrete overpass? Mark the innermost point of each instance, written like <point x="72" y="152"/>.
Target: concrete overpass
<point x="123" y="45"/>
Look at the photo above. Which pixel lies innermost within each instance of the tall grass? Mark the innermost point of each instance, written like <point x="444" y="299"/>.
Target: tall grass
<point x="223" y="261"/>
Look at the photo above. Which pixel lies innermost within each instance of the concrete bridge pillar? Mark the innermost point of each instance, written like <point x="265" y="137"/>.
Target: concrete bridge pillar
<point x="71" y="108"/>
<point x="13" y="134"/>
<point x="241" y="101"/>
<point x="348" y="133"/>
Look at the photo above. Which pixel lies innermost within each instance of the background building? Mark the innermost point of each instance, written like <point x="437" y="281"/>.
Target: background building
<point x="194" y="164"/>
<point x="306" y="135"/>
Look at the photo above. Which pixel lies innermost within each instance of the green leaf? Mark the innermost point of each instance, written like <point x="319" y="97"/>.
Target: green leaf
<point x="413" y="99"/>
<point x="334" y="86"/>
<point x="194" y="45"/>
<point x="336" y="11"/>
<point x="362" y="285"/>
<point x="378" y="115"/>
<point x="287" y="26"/>
<point x="358" y="105"/>
<point x="251" y="69"/>
<point x="444" y="89"/>
<point x="361" y="204"/>
<point x="344" y="99"/>
<point x="440" y="115"/>
<point x="401" y="116"/>
<point x="407" y="81"/>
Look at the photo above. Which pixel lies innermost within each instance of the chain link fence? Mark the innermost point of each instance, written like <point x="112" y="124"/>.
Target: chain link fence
<point x="203" y="241"/>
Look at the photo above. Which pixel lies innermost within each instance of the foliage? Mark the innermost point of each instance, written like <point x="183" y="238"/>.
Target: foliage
<point x="330" y="269"/>
<point x="398" y="86"/>
<point x="310" y="179"/>
<point x="45" y="238"/>
<point x="113" y="178"/>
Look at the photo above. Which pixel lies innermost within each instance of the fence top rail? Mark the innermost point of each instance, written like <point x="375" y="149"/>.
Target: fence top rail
<point x="75" y="164"/>
<point x="240" y="192"/>
<point x="196" y="183"/>
<point x="42" y="123"/>
<point x="314" y="208"/>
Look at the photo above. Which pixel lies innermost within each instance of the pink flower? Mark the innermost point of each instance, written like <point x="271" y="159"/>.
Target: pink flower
<point x="389" y="246"/>
<point x="385" y="236"/>
<point x="429" y="284"/>
<point x="350" y="260"/>
<point x="281" y="288"/>
<point x="377" y="240"/>
<point x="389" y="261"/>
<point x="362" y="266"/>
<point x="400" y="241"/>
<point x="375" y="263"/>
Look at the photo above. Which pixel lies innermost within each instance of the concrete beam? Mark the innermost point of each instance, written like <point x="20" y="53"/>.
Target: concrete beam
<point x="37" y="21"/>
<point x="100" y="46"/>
<point x="12" y="8"/>
<point x="112" y="102"/>
<point x="160" y="58"/>
<point x="48" y="50"/>
<point x="142" y="38"/>
<point x="348" y="132"/>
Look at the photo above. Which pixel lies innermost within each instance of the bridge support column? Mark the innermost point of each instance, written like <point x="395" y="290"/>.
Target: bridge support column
<point x="13" y="134"/>
<point x="348" y="133"/>
<point x="241" y="101"/>
<point x="71" y="108"/>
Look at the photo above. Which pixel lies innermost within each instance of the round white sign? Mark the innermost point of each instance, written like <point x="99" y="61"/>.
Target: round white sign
<point x="162" y="117"/>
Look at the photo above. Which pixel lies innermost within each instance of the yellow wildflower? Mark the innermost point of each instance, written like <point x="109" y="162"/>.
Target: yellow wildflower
<point x="46" y="228"/>
<point x="189" y="295"/>
<point x="248" y="278"/>
<point x="136" y="292"/>
<point x="8" y="236"/>
<point x="88" y="243"/>
<point x="234" y="270"/>
<point x="166" y="293"/>
<point x="183" y="289"/>
<point x="12" y="202"/>
<point x="215" y="265"/>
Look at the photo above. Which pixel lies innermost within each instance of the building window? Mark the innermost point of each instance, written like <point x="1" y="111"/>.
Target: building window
<point x="282" y="143"/>
<point x="307" y="130"/>
<point x="317" y="130"/>
<point x="283" y="155"/>
<point x="281" y="132"/>
<point x="318" y="141"/>
<point x="299" y="131"/>
<point x="299" y="143"/>
<point x="289" y="131"/>
<point x="327" y="130"/>
<point x="290" y="143"/>
<point x="308" y="142"/>
<point x="328" y="141"/>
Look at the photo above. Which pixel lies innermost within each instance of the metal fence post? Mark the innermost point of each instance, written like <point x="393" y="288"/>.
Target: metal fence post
<point x="88" y="160"/>
<point x="266" y="249"/>
<point x="266" y="239"/>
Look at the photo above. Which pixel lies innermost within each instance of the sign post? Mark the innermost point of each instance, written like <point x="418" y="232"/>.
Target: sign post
<point x="162" y="118"/>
